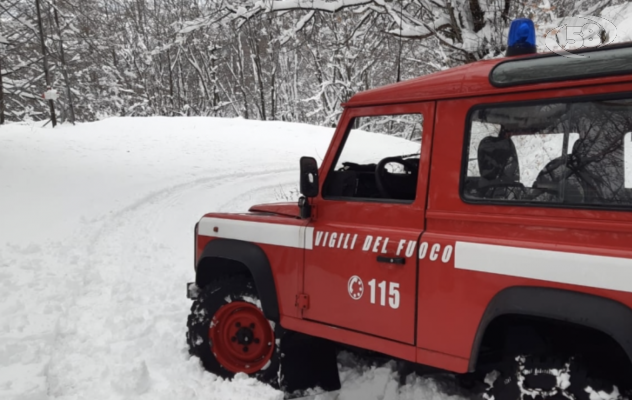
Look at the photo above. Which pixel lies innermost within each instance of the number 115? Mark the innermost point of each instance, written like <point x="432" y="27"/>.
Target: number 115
<point x="393" y="293"/>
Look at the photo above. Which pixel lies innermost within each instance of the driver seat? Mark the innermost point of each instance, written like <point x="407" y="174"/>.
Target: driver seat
<point x="499" y="168"/>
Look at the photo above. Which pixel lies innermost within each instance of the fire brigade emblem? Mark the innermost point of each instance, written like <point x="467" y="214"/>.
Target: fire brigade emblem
<point x="355" y="287"/>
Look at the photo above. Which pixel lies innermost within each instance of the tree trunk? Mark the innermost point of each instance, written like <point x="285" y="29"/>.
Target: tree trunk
<point x="64" y="68"/>
<point x="214" y="93"/>
<point x="273" y="94"/>
<point x="241" y="65"/>
<point x="1" y="95"/>
<point x="256" y="66"/>
<point x="171" y="112"/>
<point x="53" y="117"/>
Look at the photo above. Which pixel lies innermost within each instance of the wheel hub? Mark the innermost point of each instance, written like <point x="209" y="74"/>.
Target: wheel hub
<point x="241" y="337"/>
<point x="245" y="336"/>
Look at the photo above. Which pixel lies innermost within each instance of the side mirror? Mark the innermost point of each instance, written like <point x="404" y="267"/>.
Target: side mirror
<point x="309" y="177"/>
<point x="308" y="185"/>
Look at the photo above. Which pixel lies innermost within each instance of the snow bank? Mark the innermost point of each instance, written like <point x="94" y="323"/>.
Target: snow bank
<point x="95" y="249"/>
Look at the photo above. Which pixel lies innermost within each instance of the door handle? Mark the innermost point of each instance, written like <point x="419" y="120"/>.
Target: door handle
<point x="391" y="260"/>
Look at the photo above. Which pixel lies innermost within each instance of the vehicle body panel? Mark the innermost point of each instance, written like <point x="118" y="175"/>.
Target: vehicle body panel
<point x="286" y="261"/>
<point x="365" y="226"/>
<point x="455" y="299"/>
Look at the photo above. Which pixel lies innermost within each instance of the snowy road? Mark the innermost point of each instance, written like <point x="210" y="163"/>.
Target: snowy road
<point x="96" y="245"/>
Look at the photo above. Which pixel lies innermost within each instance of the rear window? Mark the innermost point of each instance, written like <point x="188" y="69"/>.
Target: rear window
<point x="575" y="153"/>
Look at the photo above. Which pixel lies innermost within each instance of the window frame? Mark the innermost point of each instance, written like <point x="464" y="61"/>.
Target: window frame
<point x="509" y="203"/>
<point x="341" y="147"/>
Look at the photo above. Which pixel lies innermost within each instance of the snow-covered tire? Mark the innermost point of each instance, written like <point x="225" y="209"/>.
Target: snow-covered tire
<point x="229" y="333"/>
<point x="552" y="378"/>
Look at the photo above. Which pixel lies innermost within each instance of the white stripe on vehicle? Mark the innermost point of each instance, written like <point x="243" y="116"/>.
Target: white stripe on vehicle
<point x="614" y="273"/>
<point x="296" y="236"/>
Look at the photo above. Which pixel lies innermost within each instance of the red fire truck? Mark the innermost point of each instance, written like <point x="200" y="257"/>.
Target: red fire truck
<point x="492" y="236"/>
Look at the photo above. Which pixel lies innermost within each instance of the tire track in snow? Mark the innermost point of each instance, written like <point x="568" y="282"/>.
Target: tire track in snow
<point x="178" y="189"/>
<point x="266" y="193"/>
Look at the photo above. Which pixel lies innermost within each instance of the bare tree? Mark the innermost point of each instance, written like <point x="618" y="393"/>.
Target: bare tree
<point x="2" y="44"/>
<point x="51" y="106"/>
<point x="64" y="67"/>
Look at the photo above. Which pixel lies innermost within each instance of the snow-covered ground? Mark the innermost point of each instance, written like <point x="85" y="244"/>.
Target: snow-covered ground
<point x="96" y="239"/>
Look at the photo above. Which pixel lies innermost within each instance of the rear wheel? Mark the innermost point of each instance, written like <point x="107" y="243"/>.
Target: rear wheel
<point x="529" y="377"/>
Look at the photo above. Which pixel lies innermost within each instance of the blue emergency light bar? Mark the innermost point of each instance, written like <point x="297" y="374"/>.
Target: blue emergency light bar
<point x="521" y="37"/>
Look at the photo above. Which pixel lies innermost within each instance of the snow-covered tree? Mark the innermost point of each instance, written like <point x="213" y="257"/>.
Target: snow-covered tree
<point x="293" y="60"/>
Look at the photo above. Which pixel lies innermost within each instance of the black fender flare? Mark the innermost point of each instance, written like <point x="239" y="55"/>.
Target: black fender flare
<point x="600" y="313"/>
<point x="255" y="261"/>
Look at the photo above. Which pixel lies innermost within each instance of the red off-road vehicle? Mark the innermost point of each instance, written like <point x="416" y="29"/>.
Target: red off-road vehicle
<point x="490" y="237"/>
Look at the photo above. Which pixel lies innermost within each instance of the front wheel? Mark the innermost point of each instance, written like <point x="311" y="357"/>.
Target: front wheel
<point x="229" y="333"/>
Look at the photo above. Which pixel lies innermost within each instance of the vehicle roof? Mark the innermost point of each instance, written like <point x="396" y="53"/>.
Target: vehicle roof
<point x="454" y="82"/>
<point x="463" y="81"/>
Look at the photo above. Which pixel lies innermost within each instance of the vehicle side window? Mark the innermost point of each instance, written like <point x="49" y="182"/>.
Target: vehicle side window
<point x="574" y="153"/>
<point x="379" y="159"/>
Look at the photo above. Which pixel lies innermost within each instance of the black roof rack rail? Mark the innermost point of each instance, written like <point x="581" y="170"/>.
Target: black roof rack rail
<point x="590" y="63"/>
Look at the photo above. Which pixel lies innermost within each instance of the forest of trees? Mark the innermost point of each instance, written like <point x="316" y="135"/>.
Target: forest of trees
<point x="291" y="60"/>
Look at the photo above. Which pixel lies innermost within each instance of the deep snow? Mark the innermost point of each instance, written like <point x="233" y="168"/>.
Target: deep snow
<point x="96" y="247"/>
